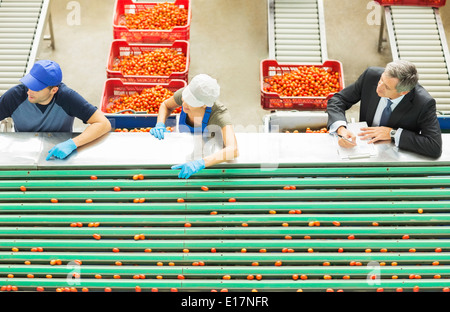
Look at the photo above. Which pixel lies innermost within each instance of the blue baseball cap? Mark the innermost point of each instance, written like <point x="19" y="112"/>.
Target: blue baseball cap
<point x="43" y="74"/>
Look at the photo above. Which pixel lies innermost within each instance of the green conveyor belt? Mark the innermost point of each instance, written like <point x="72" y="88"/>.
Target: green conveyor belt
<point x="213" y="184"/>
<point x="235" y="219"/>
<point x="337" y="226"/>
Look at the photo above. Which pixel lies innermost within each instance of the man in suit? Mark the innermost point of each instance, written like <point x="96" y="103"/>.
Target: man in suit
<point x="394" y="106"/>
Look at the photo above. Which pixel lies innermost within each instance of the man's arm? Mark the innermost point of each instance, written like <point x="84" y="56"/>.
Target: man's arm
<point x="344" y="99"/>
<point x="429" y="141"/>
<point x="98" y="126"/>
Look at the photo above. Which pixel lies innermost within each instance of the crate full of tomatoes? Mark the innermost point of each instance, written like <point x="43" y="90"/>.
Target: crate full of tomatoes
<point x="147" y="22"/>
<point x="136" y="105"/>
<point x="148" y="63"/>
<point x="299" y="87"/>
<point x="429" y="3"/>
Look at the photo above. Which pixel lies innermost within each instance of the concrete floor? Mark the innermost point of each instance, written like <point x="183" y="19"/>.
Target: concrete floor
<point x="228" y="40"/>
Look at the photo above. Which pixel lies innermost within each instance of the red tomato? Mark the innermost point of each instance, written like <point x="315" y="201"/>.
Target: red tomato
<point x="162" y="16"/>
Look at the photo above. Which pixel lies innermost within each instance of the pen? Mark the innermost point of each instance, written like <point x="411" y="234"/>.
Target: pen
<point x="344" y="138"/>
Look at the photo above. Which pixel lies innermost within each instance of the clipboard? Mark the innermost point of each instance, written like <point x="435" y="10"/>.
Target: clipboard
<point x="362" y="149"/>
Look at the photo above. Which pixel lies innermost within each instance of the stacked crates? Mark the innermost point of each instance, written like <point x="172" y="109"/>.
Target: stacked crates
<point x="139" y="41"/>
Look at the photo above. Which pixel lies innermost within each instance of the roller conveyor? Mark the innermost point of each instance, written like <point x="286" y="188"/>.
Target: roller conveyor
<point x="21" y="31"/>
<point x="416" y="34"/>
<point x="297" y="31"/>
<point x="228" y="238"/>
<point x="312" y="224"/>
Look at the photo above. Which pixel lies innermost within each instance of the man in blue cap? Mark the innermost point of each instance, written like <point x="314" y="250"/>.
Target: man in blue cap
<point x="43" y="103"/>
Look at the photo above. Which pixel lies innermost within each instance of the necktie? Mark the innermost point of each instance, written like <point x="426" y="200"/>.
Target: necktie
<point x="386" y="113"/>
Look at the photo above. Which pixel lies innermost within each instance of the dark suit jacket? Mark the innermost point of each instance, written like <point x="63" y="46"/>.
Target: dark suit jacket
<point x="415" y="114"/>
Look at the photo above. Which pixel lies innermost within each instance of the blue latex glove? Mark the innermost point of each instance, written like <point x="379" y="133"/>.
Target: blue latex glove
<point x="62" y="150"/>
<point x="190" y="168"/>
<point x="158" y="130"/>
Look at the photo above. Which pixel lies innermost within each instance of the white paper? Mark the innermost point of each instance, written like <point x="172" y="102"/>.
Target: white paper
<point x="362" y="148"/>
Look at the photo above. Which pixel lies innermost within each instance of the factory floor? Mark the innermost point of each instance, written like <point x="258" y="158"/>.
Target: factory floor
<point x="228" y="40"/>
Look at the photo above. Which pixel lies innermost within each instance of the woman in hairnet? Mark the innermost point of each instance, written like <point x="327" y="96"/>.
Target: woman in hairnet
<point x="200" y="110"/>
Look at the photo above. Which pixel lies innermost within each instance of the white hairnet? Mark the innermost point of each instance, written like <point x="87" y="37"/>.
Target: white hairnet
<point x="202" y="90"/>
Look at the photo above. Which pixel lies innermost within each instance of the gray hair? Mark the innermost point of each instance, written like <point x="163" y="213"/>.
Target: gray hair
<point x="405" y="72"/>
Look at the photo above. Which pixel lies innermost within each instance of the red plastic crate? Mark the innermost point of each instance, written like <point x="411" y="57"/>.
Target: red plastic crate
<point x="120" y="31"/>
<point x="430" y="3"/>
<point x="121" y="48"/>
<point x="273" y="101"/>
<point x="114" y="88"/>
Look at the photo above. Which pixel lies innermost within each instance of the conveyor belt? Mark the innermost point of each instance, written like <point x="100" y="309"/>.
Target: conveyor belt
<point x="416" y="34"/>
<point x="21" y="29"/>
<point x="333" y="228"/>
<point x="297" y="31"/>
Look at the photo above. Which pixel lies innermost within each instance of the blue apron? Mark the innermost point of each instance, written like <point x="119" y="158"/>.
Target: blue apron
<point x="185" y="127"/>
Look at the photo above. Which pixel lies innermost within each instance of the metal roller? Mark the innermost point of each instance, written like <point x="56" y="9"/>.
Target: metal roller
<point x="307" y="43"/>
<point x="19" y="35"/>
<point x="307" y="22"/>
<point x="8" y="19"/>
<point x="13" y="63"/>
<point x="445" y="106"/>
<point x="19" y="4"/>
<point x="419" y="43"/>
<point x="18" y="57"/>
<point x="413" y="16"/>
<point x="418" y="37"/>
<point x="17" y="32"/>
<point x="433" y="76"/>
<point x="298" y="36"/>
<point x="296" y="5"/>
<point x="14" y="52"/>
<point x="297" y="23"/>
<point x="407" y="53"/>
<point x="21" y="30"/>
<point x="294" y="31"/>
<point x="293" y="47"/>
<point x="6" y="86"/>
<point x="437" y="94"/>
<point x="426" y="83"/>
<point x="439" y="89"/>
<point x="8" y="25"/>
<point x="303" y="59"/>
<point x="293" y="15"/>
<point x="416" y="32"/>
<point x="441" y="70"/>
<point x="17" y="16"/>
<point x="12" y="69"/>
<point x="12" y="74"/>
<point x="298" y="53"/>
<point x="7" y="80"/>
<point x="4" y="9"/>
<point x="408" y="26"/>
<point x="297" y="26"/>
<point x="425" y="59"/>
<point x="420" y="48"/>
<point x="417" y="22"/>
<point x="299" y="11"/>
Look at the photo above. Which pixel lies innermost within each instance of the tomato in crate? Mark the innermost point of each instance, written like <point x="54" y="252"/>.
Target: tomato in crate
<point x="299" y="87"/>
<point x="149" y="22"/>
<point x="148" y="63"/>
<point x="136" y="105"/>
<point x="429" y="3"/>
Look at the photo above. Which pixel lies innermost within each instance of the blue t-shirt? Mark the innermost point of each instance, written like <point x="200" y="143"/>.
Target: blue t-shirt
<point x="58" y="116"/>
